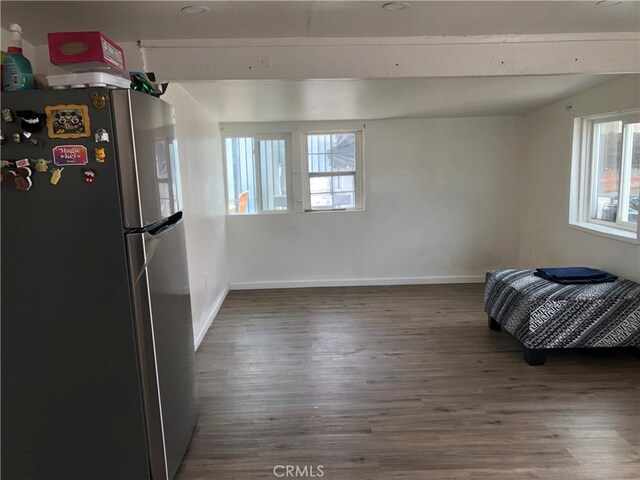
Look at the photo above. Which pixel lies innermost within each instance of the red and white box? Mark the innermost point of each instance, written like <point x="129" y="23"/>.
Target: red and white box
<point x="85" y="52"/>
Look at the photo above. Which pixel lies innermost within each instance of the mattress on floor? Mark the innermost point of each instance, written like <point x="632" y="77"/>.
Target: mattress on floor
<point x="543" y="314"/>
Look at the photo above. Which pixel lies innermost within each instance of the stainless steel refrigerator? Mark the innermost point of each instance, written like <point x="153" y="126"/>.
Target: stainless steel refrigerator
<point x="97" y="341"/>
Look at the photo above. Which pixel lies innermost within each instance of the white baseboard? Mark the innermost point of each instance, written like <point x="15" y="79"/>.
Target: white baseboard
<point x="209" y="316"/>
<point x="357" y="282"/>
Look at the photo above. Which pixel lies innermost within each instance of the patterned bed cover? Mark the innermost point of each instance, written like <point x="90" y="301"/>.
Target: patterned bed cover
<point x="542" y="314"/>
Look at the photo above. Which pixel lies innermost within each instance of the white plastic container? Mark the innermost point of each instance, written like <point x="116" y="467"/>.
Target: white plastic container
<point x="87" y="79"/>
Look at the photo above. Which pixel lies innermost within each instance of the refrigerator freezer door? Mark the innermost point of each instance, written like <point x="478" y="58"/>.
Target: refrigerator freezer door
<point x="163" y="321"/>
<point x="147" y="157"/>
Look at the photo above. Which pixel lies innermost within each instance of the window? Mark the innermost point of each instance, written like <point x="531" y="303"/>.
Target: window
<point x="333" y="171"/>
<point x="609" y="168"/>
<point x="257" y="174"/>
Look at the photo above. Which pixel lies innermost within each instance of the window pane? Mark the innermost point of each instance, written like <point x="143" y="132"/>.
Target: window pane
<point x="332" y="192"/>
<point x="343" y="142"/>
<point x="631" y="190"/>
<point x="273" y="173"/>
<point x="343" y="152"/>
<point x="344" y="200"/>
<point x="343" y="183"/>
<point x="321" y="201"/>
<point x="343" y="162"/>
<point x="332" y="153"/>
<point x="320" y="184"/>
<point x="241" y="181"/>
<point x="318" y="143"/>
<point x="319" y="163"/>
<point x="607" y="154"/>
<point x="344" y="191"/>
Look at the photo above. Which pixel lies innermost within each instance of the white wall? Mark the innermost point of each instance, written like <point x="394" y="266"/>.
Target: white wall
<point x="546" y="237"/>
<point x="441" y="205"/>
<point x="203" y="192"/>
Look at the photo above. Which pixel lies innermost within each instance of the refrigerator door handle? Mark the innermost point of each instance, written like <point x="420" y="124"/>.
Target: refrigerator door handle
<point x="158" y="227"/>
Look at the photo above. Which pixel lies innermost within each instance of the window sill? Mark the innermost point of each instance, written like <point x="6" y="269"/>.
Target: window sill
<point x="334" y="210"/>
<point x="259" y="214"/>
<point x="607" y="232"/>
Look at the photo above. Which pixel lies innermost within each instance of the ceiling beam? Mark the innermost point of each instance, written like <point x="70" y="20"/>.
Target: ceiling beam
<point x="305" y="58"/>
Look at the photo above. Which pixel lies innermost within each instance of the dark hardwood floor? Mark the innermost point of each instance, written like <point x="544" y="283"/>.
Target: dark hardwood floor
<point x="402" y="383"/>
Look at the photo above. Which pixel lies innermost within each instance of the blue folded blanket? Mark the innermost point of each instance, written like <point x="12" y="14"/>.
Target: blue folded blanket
<point x="575" y="275"/>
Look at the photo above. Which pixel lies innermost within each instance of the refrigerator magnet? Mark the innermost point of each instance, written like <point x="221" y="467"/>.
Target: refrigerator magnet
<point x="99" y="100"/>
<point x="32" y="122"/>
<point x="41" y="165"/>
<point x="56" y="173"/>
<point x="102" y="135"/>
<point x="36" y="142"/>
<point x="2" y="138"/>
<point x="65" y="155"/>
<point x="21" y="178"/>
<point x="68" y="121"/>
<point x="17" y="138"/>
<point x="7" y="163"/>
<point x="100" y="155"/>
<point x="22" y="163"/>
<point x="89" y="175"/>
<point x="6" y="115"/>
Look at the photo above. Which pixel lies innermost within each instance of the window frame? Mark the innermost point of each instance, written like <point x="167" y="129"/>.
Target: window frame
<point x="358" y="174"/>
<point x="256" y="138"/>
<point x="584" y="193"/>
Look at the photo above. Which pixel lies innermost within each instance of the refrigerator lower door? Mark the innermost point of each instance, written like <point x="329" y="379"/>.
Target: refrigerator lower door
<point x="158" y="269"/>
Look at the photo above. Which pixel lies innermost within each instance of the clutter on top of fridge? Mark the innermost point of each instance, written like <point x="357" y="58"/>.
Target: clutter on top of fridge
<point x="89" y="59"/>
<point x="87" y="79"/>
<point x="85" y="52"/>
<point x="146" y="83"/>
<point x="79" y="60"/>
<point x="16" y="69"/>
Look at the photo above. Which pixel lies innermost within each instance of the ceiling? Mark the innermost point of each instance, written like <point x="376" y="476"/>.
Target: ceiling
<point x="343" y="99"/>
<point x="366" y="99"/>
<point x="132" y="21"/>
